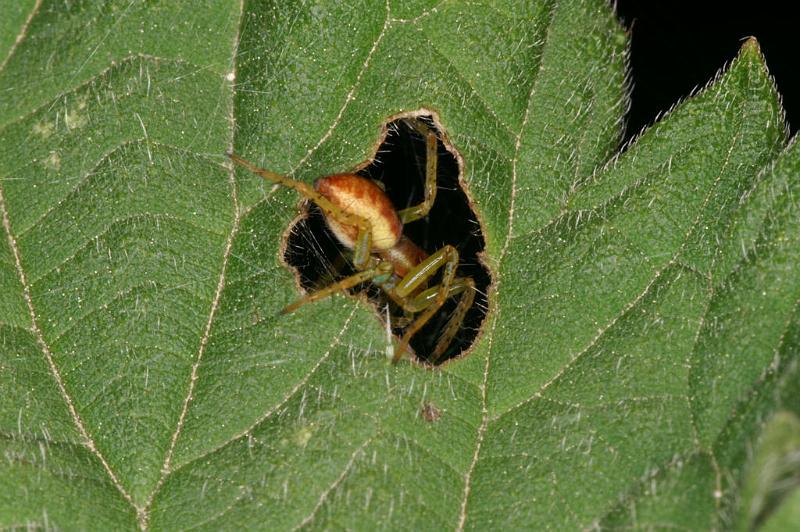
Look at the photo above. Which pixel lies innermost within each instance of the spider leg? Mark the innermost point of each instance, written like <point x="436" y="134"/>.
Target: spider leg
<point x="455" y="321"/>
<point x="381" y="269"/>
<point x="364" y="239"/>
<point x="361" y="253"/>
<point x="460" y="285"/>
<point x="423" y="300"/>
<point x="421" y="210"/>
<point x="427" y="297"/>
<point x="447" y="257"/>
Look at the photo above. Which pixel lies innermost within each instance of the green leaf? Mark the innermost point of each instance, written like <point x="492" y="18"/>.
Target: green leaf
<point x="770" y="490"/>
<point x="787" y="516"/>
<point x="643" y="316"/>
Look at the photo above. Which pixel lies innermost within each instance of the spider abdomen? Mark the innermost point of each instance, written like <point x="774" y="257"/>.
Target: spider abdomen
<point x="358" y="195"/>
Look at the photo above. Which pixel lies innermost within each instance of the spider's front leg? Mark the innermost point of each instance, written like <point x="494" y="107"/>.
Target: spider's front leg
<point x="358" y="224"/>
<point x="431" y="160"/>
<point x="370" y="268"/>
<point x="377" y="273"/>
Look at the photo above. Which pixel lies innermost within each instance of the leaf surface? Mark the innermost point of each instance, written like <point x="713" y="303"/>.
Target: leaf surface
<point x="643" y="316"/>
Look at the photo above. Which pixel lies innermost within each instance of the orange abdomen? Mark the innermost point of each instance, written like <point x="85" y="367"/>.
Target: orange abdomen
<point x="360" y="196"/>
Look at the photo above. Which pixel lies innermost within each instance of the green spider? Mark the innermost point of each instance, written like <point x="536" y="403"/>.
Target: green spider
<point x="364" y="220"/>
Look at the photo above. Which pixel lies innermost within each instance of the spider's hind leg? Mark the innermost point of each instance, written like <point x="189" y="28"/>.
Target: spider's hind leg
<point x="432" y="299"/>
<point x="455" y="321"/>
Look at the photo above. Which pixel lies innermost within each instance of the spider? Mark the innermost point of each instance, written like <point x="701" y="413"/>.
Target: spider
<point x="363" y="219"/>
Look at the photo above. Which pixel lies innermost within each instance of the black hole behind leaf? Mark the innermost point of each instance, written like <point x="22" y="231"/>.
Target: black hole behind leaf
<point x="399" y="165"/>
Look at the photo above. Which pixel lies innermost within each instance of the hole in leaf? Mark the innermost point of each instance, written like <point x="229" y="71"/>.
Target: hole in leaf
<point x="399" y="166"/>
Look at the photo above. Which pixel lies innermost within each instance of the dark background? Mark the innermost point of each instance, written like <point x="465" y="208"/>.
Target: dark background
<point x="677" y="45"/>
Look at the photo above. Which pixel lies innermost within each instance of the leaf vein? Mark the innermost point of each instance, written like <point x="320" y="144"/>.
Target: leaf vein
<point x="350" y="95"/>
<point x="88" y="441"/>
<point x="462" y="518"/>
<point x="166" y="466"/>
<point x="291" y="393"/>
<point x="23" y="32"/>
<point x="91" y="172"/>
<point x="327" y="491"/>
<point x="114" y="66"/>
